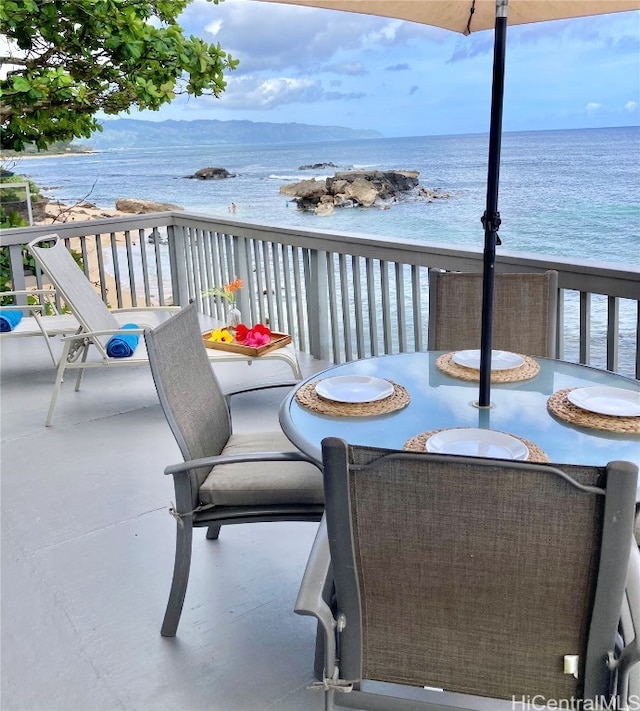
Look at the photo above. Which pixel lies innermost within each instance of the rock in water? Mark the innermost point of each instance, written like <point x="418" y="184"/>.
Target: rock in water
<point x="355" y="187"/>
<point x="211" y="174"/>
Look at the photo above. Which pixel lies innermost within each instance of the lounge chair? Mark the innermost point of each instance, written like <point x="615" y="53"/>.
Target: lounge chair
<point x="226" y="477"/>
<point x="524" y="312"/>
<point x="98" y="323"/>
<point x="469" y="583"/>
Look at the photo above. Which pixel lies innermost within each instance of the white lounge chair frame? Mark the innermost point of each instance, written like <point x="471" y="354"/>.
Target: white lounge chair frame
<point x="98" y="323"/>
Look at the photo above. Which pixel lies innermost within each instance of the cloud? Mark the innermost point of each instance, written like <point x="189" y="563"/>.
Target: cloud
<point x="251" y="93"/>
<point x="631" y="106"/>
<point x="398" y="68"/>
<point x="472" y="46"/>
<point x="340" y="96"/>
<point x="255" y="93"/>
<point x="354" y="69"/>
<point x="592" y="107"/>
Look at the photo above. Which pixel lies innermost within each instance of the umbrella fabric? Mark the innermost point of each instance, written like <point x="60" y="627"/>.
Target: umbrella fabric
<point x="467" y="16"/>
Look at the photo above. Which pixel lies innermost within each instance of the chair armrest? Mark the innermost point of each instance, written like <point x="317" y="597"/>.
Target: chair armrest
<point x="30" y="292"/>
<point x="292" y="456"/>
<point x="45" y="299"/>
<point x="137" y="309"/>
<point x="264" y="386"/>
<point x="630" y="623"/>
<point x="109" y="332"/>
<point x="311" y="595"/>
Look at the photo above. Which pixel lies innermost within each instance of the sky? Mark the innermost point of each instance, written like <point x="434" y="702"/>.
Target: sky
<point x="324" y="67"/>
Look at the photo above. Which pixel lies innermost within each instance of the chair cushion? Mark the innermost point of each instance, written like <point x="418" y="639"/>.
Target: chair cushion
<point x="9" y="319"/>
<point x="262" y="483"/>
<point x="123" y="345"/>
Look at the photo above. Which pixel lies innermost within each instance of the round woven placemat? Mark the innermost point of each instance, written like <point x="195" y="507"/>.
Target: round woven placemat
<point x="529" y="369"/>
<point x="309" y="398"/>
<point x="559" y="405"/>
<point x="418" y="443"/>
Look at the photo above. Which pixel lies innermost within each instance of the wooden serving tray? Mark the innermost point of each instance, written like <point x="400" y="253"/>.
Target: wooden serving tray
<point x="277" y="341"/>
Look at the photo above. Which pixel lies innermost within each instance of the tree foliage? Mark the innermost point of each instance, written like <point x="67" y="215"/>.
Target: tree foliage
<point x="70" y="59"/>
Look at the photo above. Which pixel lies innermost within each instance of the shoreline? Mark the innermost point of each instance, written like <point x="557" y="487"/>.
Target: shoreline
<point x="33" y="156"/>
<point x="54" y="210"/>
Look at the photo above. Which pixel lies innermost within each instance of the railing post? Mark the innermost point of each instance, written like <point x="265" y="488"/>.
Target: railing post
<point x="318" y="306"/>
<point x="585" y="328"/>
<point x="178" y="265"/>
<point x="613" y="319"/>
<point x="17" y="272"/>
<point x="560" y="327"/>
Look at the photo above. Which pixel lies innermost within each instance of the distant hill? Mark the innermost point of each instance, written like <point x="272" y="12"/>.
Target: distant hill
<point x="131" y="133"/>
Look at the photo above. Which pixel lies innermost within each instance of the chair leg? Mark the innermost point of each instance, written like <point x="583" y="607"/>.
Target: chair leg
<point x="213" y="531"/>
<point x="56" y="386"/>
<point x="181" y="567"/>
<point x="81" y="371"/>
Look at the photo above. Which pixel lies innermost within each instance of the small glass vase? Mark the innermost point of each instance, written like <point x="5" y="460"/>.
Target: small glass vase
<point x="234" y="317"/>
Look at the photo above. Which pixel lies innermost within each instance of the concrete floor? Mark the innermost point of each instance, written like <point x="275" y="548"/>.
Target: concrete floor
<point x="87" y="555"/>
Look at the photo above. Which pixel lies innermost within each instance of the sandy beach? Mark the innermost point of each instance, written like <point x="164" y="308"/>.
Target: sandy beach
<point x="54" y="213"/>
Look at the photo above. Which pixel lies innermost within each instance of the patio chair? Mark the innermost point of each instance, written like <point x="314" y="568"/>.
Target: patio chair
<point x="98" y="323"/>
<point x="226" y="478"/>
<point x="524" y="312"/>
<point x="465" y="582"/>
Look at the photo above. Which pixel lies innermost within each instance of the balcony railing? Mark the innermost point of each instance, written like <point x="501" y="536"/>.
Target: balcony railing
<point x="341" y="296"/>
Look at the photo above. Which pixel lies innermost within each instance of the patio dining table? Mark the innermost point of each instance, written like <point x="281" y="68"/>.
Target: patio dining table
<point x="430" y="396"/>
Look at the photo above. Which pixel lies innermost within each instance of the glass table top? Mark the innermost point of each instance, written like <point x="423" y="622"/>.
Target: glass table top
<point x="439" y="401"/>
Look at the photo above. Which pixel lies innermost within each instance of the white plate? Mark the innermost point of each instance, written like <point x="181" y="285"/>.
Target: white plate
<point x="354" y="388"/>
<point x="607" y="401"/>
<point x="500" y="360"/>
<point x="476" y="442"/>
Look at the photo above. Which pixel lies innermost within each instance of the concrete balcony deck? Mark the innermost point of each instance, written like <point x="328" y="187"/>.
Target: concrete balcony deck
<point x="87" y="555"/>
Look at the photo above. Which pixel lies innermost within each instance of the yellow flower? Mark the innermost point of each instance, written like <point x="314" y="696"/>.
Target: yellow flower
<point x="221" y="335"/>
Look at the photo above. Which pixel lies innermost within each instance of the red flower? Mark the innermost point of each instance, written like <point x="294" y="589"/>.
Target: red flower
<point x="262" y="329"/>
<point x="241" y="332"/>
<point x="259" y="335"/>
<point x="255" y="338"/>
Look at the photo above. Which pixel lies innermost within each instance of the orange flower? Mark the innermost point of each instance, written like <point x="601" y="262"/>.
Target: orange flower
<point x="234" y="285"/>
<point x="228" y="291"/>
<point x="231" y="288"/>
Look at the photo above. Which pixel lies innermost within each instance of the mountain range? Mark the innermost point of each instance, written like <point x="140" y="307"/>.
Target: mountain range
<point x="132" y="133"/>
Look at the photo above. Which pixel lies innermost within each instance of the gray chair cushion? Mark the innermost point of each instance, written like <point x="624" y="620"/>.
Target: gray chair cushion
<point x="262" y="483"/>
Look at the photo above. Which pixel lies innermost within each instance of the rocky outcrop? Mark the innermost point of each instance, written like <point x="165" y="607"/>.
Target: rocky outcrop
<point x="350" y="188"/>
<point x="317" y="166"/>
<point x="211" y="174"/>
<point x="139" y="207"/>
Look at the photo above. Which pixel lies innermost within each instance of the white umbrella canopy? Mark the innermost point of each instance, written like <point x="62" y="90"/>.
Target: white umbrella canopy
<point x="467" y="16"/>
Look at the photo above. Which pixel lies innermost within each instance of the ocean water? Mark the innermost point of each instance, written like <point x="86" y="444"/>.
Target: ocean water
<point x="571" y="193"/>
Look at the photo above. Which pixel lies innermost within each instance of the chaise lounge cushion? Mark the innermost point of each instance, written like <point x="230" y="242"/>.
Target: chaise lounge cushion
<point x="124" y="344"/>
<point x="248" y="483"/>
<point x="9" y="319"/>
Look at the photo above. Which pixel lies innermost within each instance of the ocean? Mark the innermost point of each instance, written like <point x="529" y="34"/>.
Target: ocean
<point x="570" y="193"/>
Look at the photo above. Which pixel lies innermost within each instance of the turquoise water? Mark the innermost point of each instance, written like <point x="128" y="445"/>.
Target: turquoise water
<point x="572" y="193"/>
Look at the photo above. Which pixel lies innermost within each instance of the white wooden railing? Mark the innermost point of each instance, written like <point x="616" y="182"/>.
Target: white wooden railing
<point x="341" y="296"/>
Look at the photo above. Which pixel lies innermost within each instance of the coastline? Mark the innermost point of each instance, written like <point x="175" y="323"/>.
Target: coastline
<point x="32" y="156"/>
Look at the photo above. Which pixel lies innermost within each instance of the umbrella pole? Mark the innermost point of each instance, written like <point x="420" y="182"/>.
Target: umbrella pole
<point x="491" y="217"/>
